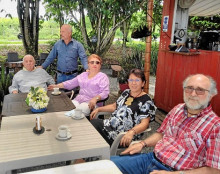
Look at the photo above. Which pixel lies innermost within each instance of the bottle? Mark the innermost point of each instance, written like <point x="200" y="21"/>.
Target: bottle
<point x="38" y="123"/>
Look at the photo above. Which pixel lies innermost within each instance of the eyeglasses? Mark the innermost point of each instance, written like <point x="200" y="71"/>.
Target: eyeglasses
<point x="95" y="62"/>
<point x="199" y="91"/>
<point x="134" y="80"/>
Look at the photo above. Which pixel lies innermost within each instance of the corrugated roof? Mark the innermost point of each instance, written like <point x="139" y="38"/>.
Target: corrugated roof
<point x="205" y="8"/>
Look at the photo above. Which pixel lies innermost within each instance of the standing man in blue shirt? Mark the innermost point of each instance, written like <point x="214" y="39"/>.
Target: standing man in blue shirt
<point x="67" y="50"/>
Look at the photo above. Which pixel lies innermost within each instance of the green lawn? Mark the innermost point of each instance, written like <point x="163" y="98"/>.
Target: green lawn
<point x="6" y="42"/>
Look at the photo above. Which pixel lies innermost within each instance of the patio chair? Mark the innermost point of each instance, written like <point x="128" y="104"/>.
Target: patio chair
<point x="115" y="148"/>
<point x="12" y="57"/>
<point x="13" y="62"/>
<point x="42" y="58"/>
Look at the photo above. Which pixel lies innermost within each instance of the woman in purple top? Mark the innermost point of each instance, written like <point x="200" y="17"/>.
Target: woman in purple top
<point x="94" y="85"/>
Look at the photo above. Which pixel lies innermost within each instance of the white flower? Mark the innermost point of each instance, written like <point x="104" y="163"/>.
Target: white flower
<point x="37" y="98"/>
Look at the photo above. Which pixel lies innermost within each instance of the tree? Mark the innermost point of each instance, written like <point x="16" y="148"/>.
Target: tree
<point x="28" y="15"/>
<point x="105" y="18"/>
<point x="55" y="10"/>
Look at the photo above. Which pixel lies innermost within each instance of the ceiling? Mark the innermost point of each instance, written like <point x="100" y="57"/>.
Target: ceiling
<point x="205" y="8"/>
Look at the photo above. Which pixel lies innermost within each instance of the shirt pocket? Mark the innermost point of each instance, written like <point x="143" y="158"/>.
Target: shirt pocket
<point x="72" y="52"/>
<point x="191" y="140"/>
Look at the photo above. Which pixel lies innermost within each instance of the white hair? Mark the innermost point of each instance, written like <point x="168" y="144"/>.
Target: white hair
<point x="213" y="90"/>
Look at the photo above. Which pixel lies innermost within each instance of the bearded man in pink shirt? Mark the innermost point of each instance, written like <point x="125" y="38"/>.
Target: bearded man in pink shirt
<point x="187" y="142"/>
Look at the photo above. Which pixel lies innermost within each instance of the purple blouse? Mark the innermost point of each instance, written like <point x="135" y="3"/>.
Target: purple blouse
<point x="89" y="88"/>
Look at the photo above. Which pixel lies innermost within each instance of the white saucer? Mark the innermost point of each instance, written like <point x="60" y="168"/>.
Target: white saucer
<point x="78" y="118"/>
<point x="56" y="93"/>
<point x="64" y="138"/>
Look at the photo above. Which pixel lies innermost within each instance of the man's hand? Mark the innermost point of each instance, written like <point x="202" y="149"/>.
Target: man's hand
<point x="161" y="172"/>
<point x="50" y="87"/>
<point x="136" y="148"/>
<point x="39" y="67"/>
<point x="94" y="113"/>
<point x="126" y="139"/>
<point x="15" y="92"/>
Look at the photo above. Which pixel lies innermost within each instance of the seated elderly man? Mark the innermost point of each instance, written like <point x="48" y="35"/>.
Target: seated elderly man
<point x="188" y="140"/>
<point x="30" y="76"/>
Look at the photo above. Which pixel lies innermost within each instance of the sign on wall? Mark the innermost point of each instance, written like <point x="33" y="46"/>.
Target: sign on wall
<point x="165" y="23"/>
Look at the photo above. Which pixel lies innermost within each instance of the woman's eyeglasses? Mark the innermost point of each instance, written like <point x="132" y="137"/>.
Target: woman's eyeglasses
<point x="95" y="62"/>
<point x="134" y="80"/>
<point x="199" y="91"/>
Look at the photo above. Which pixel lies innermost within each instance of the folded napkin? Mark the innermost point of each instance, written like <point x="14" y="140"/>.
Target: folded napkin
<point x="70" y="113"/>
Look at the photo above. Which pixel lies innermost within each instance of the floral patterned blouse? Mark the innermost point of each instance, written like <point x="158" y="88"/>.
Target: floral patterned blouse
<point x="126" y="117"/>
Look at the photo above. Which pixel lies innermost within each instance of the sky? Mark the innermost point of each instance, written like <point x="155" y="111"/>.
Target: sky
<point x="10" y="6"/>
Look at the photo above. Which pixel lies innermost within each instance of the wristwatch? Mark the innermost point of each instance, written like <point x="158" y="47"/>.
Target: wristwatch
<point x="181" y="172"/>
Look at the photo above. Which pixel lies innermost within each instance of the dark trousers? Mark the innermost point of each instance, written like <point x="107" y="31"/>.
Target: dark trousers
<point x="99" y="126"/>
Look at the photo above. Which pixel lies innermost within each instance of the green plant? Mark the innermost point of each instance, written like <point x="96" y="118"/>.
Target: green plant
<point x="5" y="82"/>
<point x="133" y="60"/>
<point x="154" y="57"/>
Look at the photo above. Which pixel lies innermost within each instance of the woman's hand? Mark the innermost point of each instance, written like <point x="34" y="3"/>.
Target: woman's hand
<point x="127" y="138"/>
<point x="94" y="113"/>
<point x="135" y="148"/>
<point x="92" y="103"/>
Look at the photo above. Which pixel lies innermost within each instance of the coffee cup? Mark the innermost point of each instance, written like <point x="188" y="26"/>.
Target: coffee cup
<point x="56" y="90"/>
<point x="63" y="130"/>
<point x="78" y="113"/>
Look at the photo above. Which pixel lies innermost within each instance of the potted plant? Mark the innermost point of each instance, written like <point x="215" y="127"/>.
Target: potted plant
<point x="135" y="60"/>
<point x="5" y="82"/>
<point x="37" y="98"/>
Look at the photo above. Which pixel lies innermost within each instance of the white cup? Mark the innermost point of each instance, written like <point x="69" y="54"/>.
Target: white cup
<point x="63" y="130"/>
<point x="56" y="90"/>
<point x="78" y="113"/>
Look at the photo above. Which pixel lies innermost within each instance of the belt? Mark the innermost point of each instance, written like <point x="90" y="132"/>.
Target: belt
<point x="171" y="168"/>
<point x="67" y="73"/>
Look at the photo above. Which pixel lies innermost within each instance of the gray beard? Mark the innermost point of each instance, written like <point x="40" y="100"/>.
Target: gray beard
<point x="198" y="106"/>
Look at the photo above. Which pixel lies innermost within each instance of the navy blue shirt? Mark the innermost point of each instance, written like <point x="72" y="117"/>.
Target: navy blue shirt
<point x="67" y="56"/>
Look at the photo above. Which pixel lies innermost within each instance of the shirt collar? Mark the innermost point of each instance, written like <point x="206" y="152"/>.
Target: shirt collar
<point x="27" y="70"/>
<point x="202" y="112"/>
<point x="72" y="40"/>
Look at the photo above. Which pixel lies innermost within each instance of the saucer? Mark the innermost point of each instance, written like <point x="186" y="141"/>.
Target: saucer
<point x="78" y="118"/>
<point x="56" y="93"/>
<point x="64" y="138"/>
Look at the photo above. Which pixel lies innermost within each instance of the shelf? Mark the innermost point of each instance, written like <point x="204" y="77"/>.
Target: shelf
<point x="185" y="54"/>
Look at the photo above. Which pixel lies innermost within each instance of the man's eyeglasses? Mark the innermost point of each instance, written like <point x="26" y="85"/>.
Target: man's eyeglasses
<point x="134" y="80"/>
<point x="199" y="91"/>
<point x="95" y="62"/>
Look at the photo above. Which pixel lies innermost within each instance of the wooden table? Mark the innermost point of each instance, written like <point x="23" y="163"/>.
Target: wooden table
<point x="16" y="66"/>
<point x="95" y="167"/>
<point x="21" y="148"/>
<point x="14" y="104"/>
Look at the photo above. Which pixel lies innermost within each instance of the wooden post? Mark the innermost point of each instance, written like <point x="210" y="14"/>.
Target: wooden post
<point x="148" y="45"/>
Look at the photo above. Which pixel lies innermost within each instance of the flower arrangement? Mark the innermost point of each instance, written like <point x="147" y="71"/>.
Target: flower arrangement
<point x="37" y="98"/>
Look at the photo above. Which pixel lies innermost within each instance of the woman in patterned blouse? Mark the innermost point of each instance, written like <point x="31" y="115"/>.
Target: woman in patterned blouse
<point x="132" y="112"/>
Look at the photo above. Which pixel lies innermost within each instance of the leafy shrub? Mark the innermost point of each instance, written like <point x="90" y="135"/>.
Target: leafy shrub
<point x="5" y="82"/>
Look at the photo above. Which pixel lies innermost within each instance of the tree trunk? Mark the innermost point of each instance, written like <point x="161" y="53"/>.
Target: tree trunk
<point x="148" y="45"/>
<point x="125" y="31"/>
<point x="28" y="15"/>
